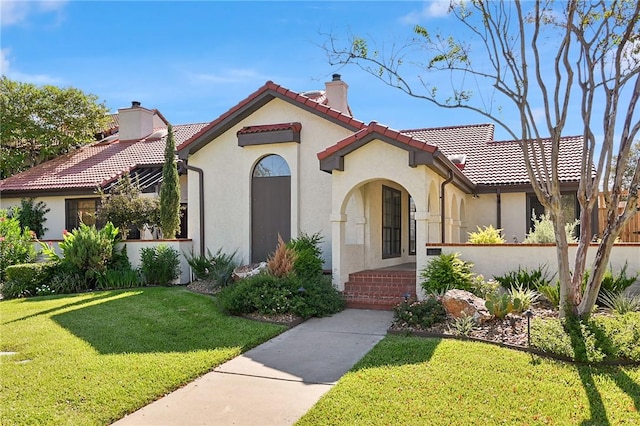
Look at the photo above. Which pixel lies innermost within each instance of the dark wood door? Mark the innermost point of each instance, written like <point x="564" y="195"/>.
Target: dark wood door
<point x="270" y="214"/>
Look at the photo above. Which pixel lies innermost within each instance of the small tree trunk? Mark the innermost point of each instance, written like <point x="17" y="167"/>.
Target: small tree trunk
<point x="568" y="293"/>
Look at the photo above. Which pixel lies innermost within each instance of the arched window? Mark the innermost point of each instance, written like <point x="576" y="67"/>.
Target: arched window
<point x="271" y="166"/>
<point x="270" y="206"/>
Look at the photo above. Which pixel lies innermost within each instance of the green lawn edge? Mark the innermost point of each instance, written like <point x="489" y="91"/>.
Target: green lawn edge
<point x="92" y="358"/>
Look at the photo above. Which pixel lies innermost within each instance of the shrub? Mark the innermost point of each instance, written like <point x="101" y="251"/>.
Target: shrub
<point x="620" y="303"/>
<point x="87" y="252"/>
<point x="482" y="288"/>
<point x="419" y="313"/>
<point x="596" y="339"/>
<point x="446" y="271"/>
<point x="268" y="294"/>
<point x="68" y="279"/>
<point x="118" y="278"/>
<point x="316" y="297"/>
<point x="15" y="243"/>
<point x="125" y="206"/>
<point x="159" y="265"/>
<point x="619" y="282"/>
<point x="526" y="297"/>
<point x="542" y="232"/>
<point x="31" y="215"/>
<point x="27" y="279"/>
<point x="218" y="268"/>
<point x="530" y="279"/>
<point x="488" y="235"/>
<point x="280" y="263"/>
<point x="566" y="337"/>
<point x="551" y="292"/>
<point x="308" y="260"/>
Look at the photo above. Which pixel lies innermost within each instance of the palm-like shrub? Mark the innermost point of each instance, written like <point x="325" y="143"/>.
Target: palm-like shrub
<point x="15" y="243"/>
<point x="446" y="271"/>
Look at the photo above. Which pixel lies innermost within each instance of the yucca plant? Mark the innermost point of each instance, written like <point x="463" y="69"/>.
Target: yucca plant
<point x="620" y="302"/>
<point x="527" y="297"/>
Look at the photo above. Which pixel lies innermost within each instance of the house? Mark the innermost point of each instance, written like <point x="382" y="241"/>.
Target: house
<point x="283" y="163"/>
<point x="68" y="184"/>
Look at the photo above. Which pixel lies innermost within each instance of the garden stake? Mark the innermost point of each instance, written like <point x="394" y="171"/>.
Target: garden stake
<point x="529" y="314"/>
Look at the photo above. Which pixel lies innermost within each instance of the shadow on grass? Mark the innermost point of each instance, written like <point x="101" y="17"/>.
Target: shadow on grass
<point x="94" y="297"/>
<point x="596" y="405"/>
<point x="159" y="321"/>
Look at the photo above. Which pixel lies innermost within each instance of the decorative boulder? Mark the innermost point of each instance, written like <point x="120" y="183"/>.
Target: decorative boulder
<point x="248" y="270"/>
<point x="459" y="303"/>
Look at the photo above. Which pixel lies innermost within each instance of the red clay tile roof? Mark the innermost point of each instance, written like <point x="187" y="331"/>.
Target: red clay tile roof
<point x="296" y="127"/>
<point x="498" y="163"/>
<point x="267" y="92"/>
<point x="380" y="129"/>
<point x="95" y="165"/>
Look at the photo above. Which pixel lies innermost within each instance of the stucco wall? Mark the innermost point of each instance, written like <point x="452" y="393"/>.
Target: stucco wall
<point x="496" y="260"/>
<point x="227" y="181"/>
<point x="55" y="218"/>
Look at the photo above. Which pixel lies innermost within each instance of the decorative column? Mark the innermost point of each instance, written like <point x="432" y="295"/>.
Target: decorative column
<point x="337" y="244"/>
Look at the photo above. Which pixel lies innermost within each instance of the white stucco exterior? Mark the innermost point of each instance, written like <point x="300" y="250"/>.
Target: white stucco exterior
<point x="55" y="222"/>
<point x="228" y="169"/>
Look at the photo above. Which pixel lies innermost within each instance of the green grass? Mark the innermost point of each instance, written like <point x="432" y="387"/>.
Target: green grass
<point x="416" y="381"/>
<point x="92" y="358"/>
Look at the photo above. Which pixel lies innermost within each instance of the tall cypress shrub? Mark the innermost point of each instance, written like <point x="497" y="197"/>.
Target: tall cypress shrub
<point x="170" y="191"/>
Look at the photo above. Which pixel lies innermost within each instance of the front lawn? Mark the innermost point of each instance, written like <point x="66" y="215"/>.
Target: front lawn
<point x="409" y="380"/>
<point x="92" y="358"/>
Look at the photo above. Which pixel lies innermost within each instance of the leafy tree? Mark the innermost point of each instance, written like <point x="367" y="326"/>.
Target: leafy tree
<point x="125" y="206"/>
<point x="170" y="191"/>
<point x="42" y="122"/>
<point x="573" y="60"/>
<point x="31" y="215"/>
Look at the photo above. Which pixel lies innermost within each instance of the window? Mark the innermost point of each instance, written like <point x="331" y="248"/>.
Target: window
<point x="271" y="166"/>
<point x="80" y="210"/>
<point x="391" y="222"/>
<point x="412" y="226"/>
<point x="570" y="209"/>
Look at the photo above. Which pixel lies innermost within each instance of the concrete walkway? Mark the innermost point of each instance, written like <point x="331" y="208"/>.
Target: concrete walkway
<point x="275" y="383"/>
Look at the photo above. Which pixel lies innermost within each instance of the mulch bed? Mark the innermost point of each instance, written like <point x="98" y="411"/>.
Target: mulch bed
<point x="511" y="331"/>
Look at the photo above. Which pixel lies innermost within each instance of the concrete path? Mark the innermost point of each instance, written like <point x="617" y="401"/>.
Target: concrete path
<point x="275" y="383"/>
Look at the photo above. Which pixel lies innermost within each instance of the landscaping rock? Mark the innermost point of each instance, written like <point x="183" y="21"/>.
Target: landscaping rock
<point x="248" y="270"/>
<point x="459" y="303"/>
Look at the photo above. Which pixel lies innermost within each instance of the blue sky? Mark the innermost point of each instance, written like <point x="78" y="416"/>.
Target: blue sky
<point x="195" y="60"/>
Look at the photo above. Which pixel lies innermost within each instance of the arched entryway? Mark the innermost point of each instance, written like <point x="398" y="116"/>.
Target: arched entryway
<point x="270" y="206"/>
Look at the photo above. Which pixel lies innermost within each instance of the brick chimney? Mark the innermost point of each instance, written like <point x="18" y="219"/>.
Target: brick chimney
<point x="136" y="122"/>
<point x="336" y="91"/>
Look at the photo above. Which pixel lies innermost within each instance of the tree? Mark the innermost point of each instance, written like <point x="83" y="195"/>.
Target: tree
<point x="40" y="123"/>
<point x="125" y="206"/>
<point x="170" y="191"/>
<point x="31" y="215"/>
<point x="573" y="60"/>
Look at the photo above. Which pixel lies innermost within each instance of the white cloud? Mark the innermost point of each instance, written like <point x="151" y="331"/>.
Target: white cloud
<point x="15" y="12"/>
<point x="430" y="9"/>
<point x="5" y="66"/>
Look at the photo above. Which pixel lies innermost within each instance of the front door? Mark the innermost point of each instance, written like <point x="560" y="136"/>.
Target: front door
<point x="270" y="206"/>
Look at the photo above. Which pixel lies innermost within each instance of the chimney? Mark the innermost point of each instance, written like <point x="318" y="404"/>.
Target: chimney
<point x="336" y="91"/>
<point x="136" y="122"/>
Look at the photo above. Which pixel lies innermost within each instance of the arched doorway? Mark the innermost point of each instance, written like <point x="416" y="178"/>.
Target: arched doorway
<point x="270" y="206"/>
